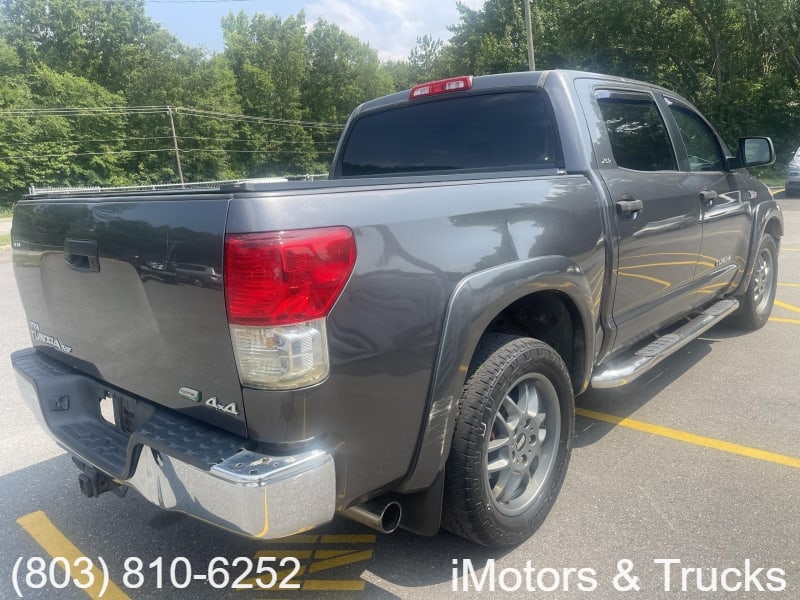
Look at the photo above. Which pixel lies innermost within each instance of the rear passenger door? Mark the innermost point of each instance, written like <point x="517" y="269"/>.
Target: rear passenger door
<point x="656" y="219"/>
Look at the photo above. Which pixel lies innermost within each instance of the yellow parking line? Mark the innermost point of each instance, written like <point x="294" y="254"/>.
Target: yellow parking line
<point x="56" y="544"/>
<point x="788" y="306"/>
<point x="782" y="320"/>
<point x="339" y="585"/>
<point x="691" y="438"/>
<point x="797" y="285"/>
<point x="790" y="249"/>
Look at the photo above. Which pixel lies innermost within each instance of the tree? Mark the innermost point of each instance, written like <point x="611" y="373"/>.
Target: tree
<point x="43" y="144"/>
<point x="96" y="40"/>
<point x="268" y="57"/>
<point x="425" y="59"/>
<point x="489" y="40"/>
<point x="342" y="73"/>
<point x="168" y="73"/>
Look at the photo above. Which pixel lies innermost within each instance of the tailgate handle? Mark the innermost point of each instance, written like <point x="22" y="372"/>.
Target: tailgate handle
<point x="81" y="255"/>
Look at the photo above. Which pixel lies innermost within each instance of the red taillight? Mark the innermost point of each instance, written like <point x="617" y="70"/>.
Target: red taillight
<point x="442" y="86"/>
<point x="286" y="277"/>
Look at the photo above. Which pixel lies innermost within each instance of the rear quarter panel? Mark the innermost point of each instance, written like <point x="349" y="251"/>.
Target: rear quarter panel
<point x="416" y="243"/>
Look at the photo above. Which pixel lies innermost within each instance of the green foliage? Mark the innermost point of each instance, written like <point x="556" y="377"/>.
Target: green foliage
<point x="342" y="73"/>
<point x="54" y="149"/>
<point x="268" y="58"/>
<point x="737" y="60"/>
<point x="274" y="101"/>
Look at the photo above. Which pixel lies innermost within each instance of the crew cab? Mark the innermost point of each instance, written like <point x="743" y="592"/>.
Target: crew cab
<point x="400" y="344"/>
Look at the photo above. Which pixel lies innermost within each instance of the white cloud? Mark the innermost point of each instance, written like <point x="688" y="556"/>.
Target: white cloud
<point x="390" y="26"/>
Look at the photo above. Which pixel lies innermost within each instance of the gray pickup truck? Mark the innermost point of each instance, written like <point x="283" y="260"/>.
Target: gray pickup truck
<point x="402" y="343"/>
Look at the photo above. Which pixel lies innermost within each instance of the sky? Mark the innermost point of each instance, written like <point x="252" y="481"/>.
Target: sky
<point x="389" y="26"/>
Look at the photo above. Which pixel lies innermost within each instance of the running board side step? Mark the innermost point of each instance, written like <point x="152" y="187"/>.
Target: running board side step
<point x="620" y="373"/>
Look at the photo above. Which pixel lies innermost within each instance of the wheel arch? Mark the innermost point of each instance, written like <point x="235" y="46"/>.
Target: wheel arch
<point x="767" y="218"/>
<point x="503" y="300"/>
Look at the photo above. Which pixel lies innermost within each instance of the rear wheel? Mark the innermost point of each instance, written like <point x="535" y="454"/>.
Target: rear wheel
<point x="755" y="305"/>
<point x="512" y="442"/>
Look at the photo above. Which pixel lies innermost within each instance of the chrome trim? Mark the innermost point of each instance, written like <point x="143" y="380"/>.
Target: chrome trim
<point x="248" y="493"/>
<point x="626" y="371"/>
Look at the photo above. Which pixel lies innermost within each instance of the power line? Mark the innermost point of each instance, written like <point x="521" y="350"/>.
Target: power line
<point x="93" y="141"/>
<point x="151" y="151"/>
<point x="253" y="119"/>
<point x="169" y="137"/>
<point x="327" y="147"/>
<point x="71" y="154"/>
<point x="151" y="110"/>
<point x="83" y="111"/>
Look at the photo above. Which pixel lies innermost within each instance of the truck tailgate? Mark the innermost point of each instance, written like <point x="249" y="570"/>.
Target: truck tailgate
<point x="128" y="290"/>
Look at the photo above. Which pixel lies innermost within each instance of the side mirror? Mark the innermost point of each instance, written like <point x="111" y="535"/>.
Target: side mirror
<point x="755" y="152"/>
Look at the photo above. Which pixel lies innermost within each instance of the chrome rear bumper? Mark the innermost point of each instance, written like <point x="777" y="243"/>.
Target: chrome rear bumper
<point x="246" y="492"/>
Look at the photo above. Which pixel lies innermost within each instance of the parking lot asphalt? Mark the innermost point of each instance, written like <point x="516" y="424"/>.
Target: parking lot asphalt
<point x="687" y="480"/>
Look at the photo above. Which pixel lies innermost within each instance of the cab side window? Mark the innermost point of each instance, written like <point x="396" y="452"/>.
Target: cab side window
<point x="701" y="144"/>
<point x="636" y="130"/>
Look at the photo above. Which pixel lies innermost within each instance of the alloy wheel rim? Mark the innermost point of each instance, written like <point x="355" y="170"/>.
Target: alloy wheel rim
<point x="520" y="451"/>
<point x="762" y="281"/>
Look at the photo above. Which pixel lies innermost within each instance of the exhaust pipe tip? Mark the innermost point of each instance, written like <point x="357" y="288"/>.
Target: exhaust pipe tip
<point x="383" y="516"/>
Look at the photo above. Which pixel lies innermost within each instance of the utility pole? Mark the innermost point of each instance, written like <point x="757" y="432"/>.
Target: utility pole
<point x="529" y="30"/>
<point x="175" y="143"/>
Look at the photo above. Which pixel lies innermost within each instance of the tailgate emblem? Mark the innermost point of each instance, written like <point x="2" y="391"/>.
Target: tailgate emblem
<point x="40" y="336"/>
<point x="190" y="394"/>
<point x="229" y="408"/>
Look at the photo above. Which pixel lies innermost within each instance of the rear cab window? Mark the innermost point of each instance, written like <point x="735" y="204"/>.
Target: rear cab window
<point x="465" y="133"/>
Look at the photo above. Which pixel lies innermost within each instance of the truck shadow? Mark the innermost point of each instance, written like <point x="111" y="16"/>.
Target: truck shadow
<point x="625" y="401"/>
<point x="340" y="560"/>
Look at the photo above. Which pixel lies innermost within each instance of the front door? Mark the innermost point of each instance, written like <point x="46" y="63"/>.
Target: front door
<point x="658" y="222"/>
<point x="724" y="198"/>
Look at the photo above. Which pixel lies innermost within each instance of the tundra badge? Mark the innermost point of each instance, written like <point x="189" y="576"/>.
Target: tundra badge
<point x="40" y="336"/>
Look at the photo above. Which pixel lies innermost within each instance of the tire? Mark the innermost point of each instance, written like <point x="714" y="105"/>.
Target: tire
<point x="506" y="467"/>
<point x="755" y="305"/>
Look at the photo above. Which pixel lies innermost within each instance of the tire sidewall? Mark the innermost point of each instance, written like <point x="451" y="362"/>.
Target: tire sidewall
<point x="750" y="316"/>
<point x="506" y="530"/>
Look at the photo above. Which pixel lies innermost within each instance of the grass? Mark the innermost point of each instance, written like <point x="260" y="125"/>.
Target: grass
<point x="6" y="211"/>
<point x="5" y="239"/>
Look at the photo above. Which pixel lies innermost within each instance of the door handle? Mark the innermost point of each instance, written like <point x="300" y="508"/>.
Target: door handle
<point x="81" y="255"/>
<point x="629" y="208"/>
<point x="708" y="197"/>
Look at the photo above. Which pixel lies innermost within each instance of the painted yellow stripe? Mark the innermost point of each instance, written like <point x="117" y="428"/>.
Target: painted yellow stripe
<point x="691" y="438"/>
<point x="790" y="249"/>
<point x="56" y="544"/>
<point x="340" y="561"/>
<point x="797" y="285"/>
<point x="788" y="306"/>
<point x="293" y="552"/>
<point x="782" y="320"/>
<point x="297" y="539"/>
<point x="343" y="585"/>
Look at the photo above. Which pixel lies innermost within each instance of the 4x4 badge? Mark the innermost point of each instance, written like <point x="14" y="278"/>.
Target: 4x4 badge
<point x="229" y="408"/>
